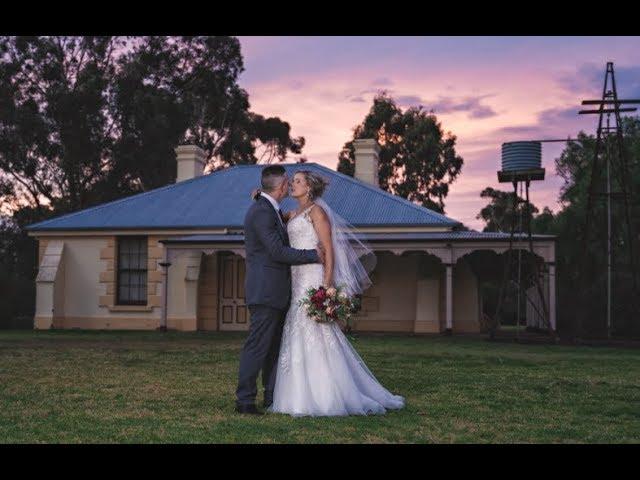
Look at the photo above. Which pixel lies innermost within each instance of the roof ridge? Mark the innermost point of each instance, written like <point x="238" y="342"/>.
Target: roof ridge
<point x="378" y="190"/>
<point x="122" y="200"/>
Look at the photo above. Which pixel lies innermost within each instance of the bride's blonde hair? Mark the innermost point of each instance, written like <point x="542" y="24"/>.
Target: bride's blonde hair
<point x="317" y="183"/>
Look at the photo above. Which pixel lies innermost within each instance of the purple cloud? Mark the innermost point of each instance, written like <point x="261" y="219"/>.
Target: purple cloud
<point x="552" y="123"/>
<point x="472" y="105"/>
<point x="558" y="116"/>
<point x="408" y="100"/>
<point x="588" y="81"/>
<point x="467" y="104"/>
<point x="482" y="111"/>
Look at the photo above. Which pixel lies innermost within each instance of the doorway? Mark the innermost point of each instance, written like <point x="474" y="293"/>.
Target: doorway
<point x="232" y="310"/>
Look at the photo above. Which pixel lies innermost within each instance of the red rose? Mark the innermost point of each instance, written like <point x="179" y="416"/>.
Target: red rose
<point x="320" y="295"/>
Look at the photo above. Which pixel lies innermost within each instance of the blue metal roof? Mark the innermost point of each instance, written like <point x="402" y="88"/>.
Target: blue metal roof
<point x="220" y="199"/>
<point x="470" y="235"/>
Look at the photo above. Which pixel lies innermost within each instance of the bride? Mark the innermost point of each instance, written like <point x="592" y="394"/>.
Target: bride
<point x="319" y="373"/>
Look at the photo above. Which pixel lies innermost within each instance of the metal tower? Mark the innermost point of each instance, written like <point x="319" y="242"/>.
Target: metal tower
<point x="609" y="137"/>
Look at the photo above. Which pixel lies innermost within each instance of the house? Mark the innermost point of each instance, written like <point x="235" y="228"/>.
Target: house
<point x="173" y="257"/>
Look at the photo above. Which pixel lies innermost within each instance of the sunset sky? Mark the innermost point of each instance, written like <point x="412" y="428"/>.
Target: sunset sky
<point x="485" y="90"/>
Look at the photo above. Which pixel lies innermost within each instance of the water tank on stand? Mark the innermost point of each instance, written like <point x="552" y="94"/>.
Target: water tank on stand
<point x="521" y="161"/>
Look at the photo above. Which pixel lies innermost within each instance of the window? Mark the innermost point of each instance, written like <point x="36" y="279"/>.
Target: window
<point x="132" y="271"/>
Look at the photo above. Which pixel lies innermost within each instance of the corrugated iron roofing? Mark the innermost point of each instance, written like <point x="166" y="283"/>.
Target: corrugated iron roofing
<point x="220" y="199"/>
<point x="373" y="237"/>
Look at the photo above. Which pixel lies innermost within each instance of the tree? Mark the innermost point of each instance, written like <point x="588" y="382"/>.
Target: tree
<point x="418" y="161"/>
<point x="499" y="213"/>
<point x="185" y="90"/>
<point x="55" y="130"/>
<point x="17" y="274"/>
<point x="543" y="222"/>
<point x="575" y="166"/>
<point x="85" y="120"/>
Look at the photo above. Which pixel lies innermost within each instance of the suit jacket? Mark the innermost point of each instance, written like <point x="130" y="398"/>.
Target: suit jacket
<point x="269" y="256"/>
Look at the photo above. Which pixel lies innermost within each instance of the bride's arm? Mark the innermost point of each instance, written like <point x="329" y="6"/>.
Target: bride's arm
<point x="322" y="226"/>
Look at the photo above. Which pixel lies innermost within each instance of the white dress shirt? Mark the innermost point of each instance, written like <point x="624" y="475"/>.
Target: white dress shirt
<point x="275" y="204"/>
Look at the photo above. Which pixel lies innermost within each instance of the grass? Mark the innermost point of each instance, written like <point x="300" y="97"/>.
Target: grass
<point x="150" y="387"/>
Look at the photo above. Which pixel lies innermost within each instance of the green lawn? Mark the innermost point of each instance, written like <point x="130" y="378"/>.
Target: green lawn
<point x="134" y="387"/>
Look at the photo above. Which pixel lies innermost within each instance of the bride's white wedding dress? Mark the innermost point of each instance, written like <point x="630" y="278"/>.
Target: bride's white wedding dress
<point x="319" y="372"/>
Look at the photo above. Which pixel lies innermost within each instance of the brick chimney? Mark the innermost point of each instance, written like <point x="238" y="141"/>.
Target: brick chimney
<point x="366" y="168"/>
<point x="191" y="161"/>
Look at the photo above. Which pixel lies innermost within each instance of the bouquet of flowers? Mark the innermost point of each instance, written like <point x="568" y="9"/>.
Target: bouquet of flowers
<point x="326" y="305"/>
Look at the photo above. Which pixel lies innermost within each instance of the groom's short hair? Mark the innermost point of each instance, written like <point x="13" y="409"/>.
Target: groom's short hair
<point x="272" y="176"/>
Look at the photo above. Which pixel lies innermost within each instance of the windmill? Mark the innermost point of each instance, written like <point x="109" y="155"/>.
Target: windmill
<point x="609" y="150"/>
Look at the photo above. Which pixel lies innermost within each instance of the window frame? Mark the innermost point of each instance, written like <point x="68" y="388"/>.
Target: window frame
<point x="118" y="270"/>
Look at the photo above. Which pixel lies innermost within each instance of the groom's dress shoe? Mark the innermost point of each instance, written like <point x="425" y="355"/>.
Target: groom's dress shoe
<point x="251" y="409"/>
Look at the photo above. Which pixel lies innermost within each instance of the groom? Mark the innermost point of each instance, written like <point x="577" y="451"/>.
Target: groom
<point x="267" y="287"/>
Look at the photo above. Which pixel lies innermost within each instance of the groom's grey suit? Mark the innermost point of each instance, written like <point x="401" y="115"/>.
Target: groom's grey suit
<point x="268" y="293"/>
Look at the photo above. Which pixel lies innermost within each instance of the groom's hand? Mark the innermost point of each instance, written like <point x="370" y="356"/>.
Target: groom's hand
<point x="320" y="251"/>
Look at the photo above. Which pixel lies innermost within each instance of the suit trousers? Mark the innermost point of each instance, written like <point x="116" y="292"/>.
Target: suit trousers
<point x="260" y="352"/>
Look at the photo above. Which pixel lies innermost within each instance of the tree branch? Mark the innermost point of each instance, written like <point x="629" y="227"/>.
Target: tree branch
<point x="27" y="186"/>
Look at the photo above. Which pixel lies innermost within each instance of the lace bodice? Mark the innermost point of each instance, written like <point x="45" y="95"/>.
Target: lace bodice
<point x="302" y="235"/>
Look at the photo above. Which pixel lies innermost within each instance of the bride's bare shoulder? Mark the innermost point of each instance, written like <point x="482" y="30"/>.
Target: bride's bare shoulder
<point x="317" y="213"/>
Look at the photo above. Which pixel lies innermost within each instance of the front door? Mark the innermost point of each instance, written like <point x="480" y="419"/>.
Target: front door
<point x="233" y="312"/>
